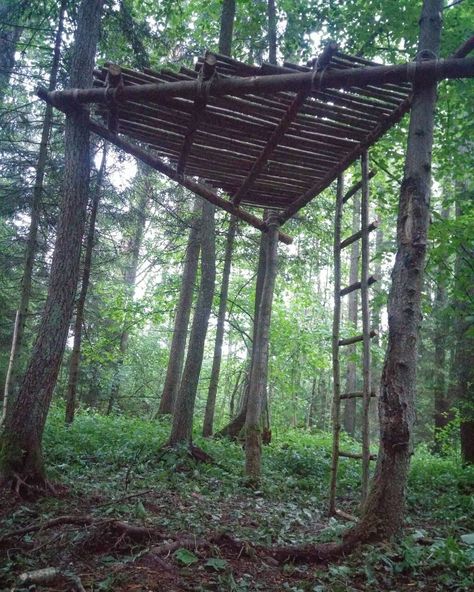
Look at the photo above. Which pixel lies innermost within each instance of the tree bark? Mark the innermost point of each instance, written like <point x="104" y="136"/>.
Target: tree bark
<point x="183" y="312"/>
<point x="441" y="401"/>
<point x="130" y="275"/>
<point x="227" y="27"/>
<point x="9" y="37"/>
<point x="225" y="48"/>
<point x="21" y="458"/>
<point x="463" y="370"/>
<point x="350" y="407"/>
<point x="181" y="430"/>
<point x="81" y="301"/>
<point x="216" y="363"/>
<point x="35" y="214"/>
<point x="384" y="508"/>
<point x="235" y="426"/>
<point x="272" y="32"/>
<point x="258" y="376"/>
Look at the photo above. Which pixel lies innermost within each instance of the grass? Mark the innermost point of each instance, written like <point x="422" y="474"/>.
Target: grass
<point x="101" y="461"/>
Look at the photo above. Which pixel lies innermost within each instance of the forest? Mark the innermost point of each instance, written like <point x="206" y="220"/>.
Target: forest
<point x="236" y="295"/>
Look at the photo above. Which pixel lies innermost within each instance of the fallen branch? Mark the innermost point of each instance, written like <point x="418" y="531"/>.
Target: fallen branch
<point x="48" y="574"/>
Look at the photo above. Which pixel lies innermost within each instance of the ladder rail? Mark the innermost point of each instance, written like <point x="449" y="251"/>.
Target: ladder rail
<point x="364" y="297"/>
<point x="336" y="403"/>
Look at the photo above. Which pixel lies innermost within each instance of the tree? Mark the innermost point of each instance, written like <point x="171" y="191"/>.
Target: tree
<point x="130" y="271"/>
<point x="81" y="301"/>
<point x="225" y="48"/>
<point x="183" y="312"/>
<point x="181" y="429"/>
<point x="21" y="460"/>
<point x="35" y="213"/>
<point x="384" y="508"/>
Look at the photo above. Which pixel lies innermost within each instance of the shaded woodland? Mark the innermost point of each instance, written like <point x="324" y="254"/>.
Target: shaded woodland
<point x="236" y="289"/>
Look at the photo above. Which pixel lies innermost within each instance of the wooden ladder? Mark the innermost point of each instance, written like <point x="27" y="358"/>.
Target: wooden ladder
<point x="364" y="337"/>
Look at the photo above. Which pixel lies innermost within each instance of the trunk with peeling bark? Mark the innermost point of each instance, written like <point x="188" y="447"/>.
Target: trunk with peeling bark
<point x="35" y="213"/>
<point x="81" y="301"/>
<point x="21" y="459"/>
<point x="183" y="312"/>
<point x="181" y="430"/>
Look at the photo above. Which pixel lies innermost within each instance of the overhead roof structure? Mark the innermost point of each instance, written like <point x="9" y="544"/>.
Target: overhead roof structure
<point x="254" y="136"/>
<point x="248" y="146"/>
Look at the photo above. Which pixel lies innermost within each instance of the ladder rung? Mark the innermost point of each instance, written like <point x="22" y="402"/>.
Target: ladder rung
<point x="356" y="338"/>
<point x="357" y="286"/>
<point x="355" y="395"/>
<point x="356" y="455"/>
<point x="345" y="515"/>
<point x="351" y="239"/>
<point x="355" y="188"/>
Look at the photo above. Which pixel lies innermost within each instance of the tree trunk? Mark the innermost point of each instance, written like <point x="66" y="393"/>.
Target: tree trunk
<point x="10" y="11"/>
<point x="350" y="407"/>
<point x="227" y="27"/>
<point x="31" y="245"/>
<point x="272" y="32"/>
<point x="81" y="302"/>
<point x="21" y="458"/>
<point x="258" y="376"/>
<point x="384" y="508"/>
<point x="130" y="275"/>
<point x="181" y="430"/>
<point x="225" y="48"/>
<point x="183" y="312"/>
<point x="464" y="346"/>
<point x="235" y="426"/>
<point x="441" y="402"/>
<point x="216" y="363"/>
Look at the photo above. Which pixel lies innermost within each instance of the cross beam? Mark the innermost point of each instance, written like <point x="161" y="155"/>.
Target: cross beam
<point x="282" y="127"/>
<point x="418" y="71"/>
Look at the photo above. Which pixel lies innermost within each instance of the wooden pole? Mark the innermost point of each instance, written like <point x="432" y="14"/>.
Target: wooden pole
<point x="200" y="189"/>
<point x="422" y="72"/>
<point x="282" y="128"/>
<point x="336" y="402"/>
<point x="364" y="293"/>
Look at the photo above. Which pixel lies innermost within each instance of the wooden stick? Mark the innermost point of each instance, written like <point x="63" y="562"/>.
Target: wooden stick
<point x="356" y="455"/>
<point x="357" y="235"/>
<point x="200" y="189"/>
<point x="357" y="285"/>
<point x="355" y="188"/>
<point x="281" y="129"/>
<point x="364" y="297"/>
<point x="336" y="402"/>
<point x="423" y="71"/>
<point x="357" y="338"/>
<point x="355" y="395"/>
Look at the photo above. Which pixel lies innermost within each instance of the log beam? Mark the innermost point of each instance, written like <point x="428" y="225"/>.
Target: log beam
<point x="206" y="75"/>
<point x="281" y="129"/>
<point x="422" y="72"/>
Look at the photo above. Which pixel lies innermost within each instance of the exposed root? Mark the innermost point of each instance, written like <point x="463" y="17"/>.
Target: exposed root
<point x="136" y="533"/>
<point x="323" y="553"/>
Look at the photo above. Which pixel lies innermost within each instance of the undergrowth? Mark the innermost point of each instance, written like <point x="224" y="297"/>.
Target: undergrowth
<point x="103" y="461"/>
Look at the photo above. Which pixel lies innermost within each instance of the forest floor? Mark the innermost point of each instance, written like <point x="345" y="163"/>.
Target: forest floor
<point x="200" y="529"/>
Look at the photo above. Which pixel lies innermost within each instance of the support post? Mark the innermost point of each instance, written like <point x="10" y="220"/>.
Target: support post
<point x="253" y="439"/>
